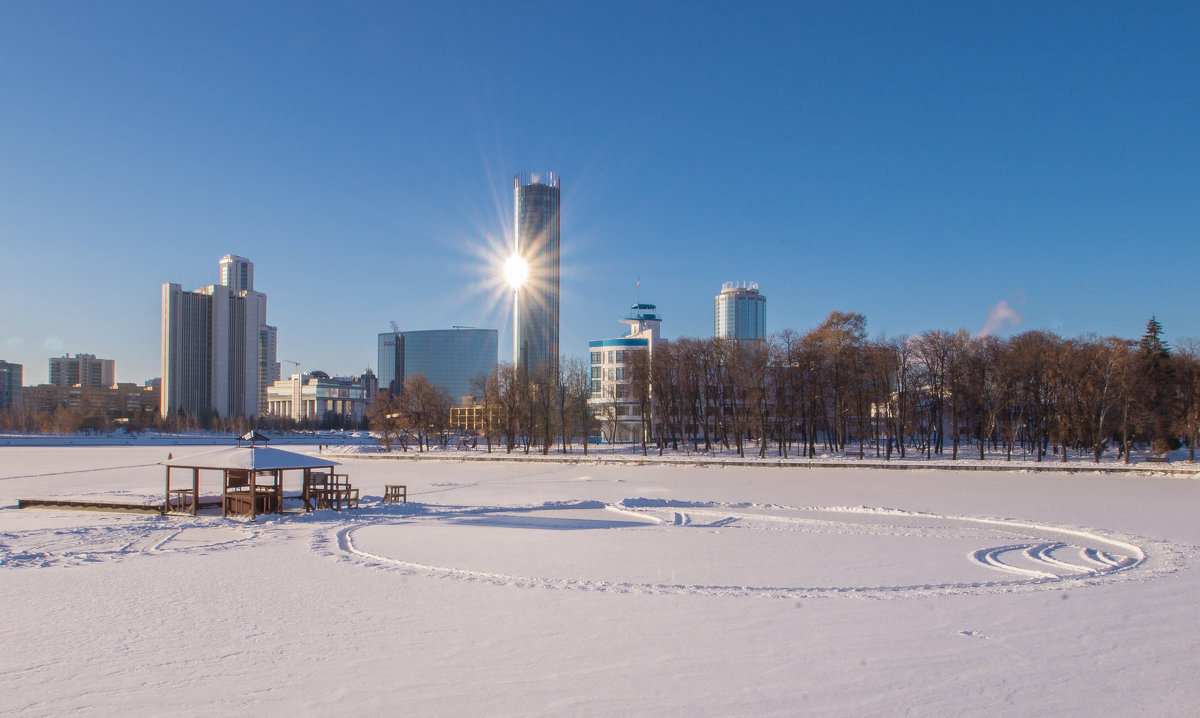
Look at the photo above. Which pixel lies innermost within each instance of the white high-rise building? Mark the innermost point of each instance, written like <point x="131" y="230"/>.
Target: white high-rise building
<point x="213" y="359"/>
<point x="741" y="312"/>
<point x="237" y="273"/>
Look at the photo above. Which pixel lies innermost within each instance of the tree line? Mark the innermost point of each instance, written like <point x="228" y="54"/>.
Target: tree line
<point x="70" y="420"/>
<point x="1035" y="394"/>
<point x="517" y="410"/>
<point x="834" y="390"/>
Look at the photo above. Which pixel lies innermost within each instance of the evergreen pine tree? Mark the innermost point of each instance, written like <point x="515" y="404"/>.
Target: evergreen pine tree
<point x="1159" y="384"/>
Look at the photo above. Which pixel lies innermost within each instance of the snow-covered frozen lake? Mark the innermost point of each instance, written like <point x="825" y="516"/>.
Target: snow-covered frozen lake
<point x="511" y="588"/>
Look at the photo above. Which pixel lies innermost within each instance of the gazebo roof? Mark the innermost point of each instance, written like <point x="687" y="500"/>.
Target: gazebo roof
<point x="256" y="458"/>
<point x="253" y="437"/>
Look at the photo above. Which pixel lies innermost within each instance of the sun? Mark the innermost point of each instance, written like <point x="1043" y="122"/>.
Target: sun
<point x="516" y="271"/>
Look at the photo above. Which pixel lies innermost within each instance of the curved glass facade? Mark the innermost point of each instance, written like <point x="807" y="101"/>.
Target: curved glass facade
<point x="741" y="312"/>
<point x="536" y="206"/>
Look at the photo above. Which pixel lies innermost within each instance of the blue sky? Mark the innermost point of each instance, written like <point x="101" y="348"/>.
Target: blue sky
<point x="917" y="162"/>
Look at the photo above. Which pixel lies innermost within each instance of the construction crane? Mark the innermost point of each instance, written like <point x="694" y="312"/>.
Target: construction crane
<point x="296" y="364"/>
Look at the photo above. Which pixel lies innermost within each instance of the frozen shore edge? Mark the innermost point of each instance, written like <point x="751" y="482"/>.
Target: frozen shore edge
<point x="702" y="461"/>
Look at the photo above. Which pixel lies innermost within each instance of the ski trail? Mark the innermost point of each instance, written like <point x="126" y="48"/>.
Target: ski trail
<point x="990" y="557"/>
<point x="1044" y="554"/>
<point x="118" y="542"/>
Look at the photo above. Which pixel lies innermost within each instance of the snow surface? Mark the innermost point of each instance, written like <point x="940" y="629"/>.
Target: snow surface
<point x="539" y="588"/>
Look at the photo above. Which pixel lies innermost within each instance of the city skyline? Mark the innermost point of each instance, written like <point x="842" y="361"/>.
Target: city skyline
<point x="932" y="166"/>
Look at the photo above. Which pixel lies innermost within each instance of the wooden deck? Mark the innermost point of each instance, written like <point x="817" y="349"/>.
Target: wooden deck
<point x="82" y="505"/>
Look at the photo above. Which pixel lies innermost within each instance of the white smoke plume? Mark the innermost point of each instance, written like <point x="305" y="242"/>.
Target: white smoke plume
<point x="999" y="316"/>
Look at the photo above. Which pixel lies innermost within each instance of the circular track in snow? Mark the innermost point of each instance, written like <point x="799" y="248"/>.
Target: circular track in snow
<point x="652" y="546"/>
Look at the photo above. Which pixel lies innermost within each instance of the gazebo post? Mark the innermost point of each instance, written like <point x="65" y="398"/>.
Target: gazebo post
<point x="253" y="496"/>
<point x="167" y="502"/>
<point x="195" y="491"/>
<point x="304" y="489"/>
<point x="224" y="493"/>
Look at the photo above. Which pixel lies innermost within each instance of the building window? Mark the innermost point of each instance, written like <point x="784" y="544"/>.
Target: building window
<point x="597" y="357"/>
<point x="620" y="373"/>
<point x="620" y="356"/>
<point x="596" y="372"/>
<point x="610" y="374"/>
<point x="595" y="387"/>
<point x="610" y="357"/>
<point x="622" y="391"/>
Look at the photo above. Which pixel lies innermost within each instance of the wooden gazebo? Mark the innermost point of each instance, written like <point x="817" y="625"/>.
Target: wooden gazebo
<point x="252" y="480"/>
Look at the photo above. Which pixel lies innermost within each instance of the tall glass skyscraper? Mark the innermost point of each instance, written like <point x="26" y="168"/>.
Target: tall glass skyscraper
<point x="741" y="312"/>
<point x="536" y="204"/>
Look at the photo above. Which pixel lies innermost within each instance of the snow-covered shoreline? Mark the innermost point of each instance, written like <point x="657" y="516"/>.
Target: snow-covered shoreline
<point x="363" y="445"/>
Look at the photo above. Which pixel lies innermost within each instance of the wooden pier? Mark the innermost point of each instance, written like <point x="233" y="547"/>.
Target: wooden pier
<point x="82" y="505"/>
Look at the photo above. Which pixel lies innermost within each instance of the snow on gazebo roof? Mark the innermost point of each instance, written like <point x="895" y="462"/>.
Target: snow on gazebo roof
<point x="254" y="458"/>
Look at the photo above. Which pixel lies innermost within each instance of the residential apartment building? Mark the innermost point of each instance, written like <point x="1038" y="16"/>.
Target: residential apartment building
<point x="82" y="370"/>
<point x="119" y="401"/>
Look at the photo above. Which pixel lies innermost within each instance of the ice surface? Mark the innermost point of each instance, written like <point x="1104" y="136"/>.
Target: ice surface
<point x="509" y="588"/>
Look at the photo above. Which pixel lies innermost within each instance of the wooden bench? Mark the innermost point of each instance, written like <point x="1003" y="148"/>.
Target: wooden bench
<point x="1157" y="460"/>
<point x="336" y="497"/>
<point x="395" y="493"/>
<point x="330" y="491"/>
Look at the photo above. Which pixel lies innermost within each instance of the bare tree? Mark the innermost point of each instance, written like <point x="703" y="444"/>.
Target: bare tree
<point x="575" y="390"/>
<point x="1187" y="371"/>
<point x="385" y="419"/>
<point x="487" y="387"/>
<point x="511" y="393"/>
<point x="637" y="364"/>
<point x="425" y="408"/>
<point x="544" y="397"/>
<point x="840" y="338"/>
<point x="666" y="397"/>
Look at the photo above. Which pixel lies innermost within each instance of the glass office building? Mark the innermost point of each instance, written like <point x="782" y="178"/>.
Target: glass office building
<point x="536" y="223"/>
<point x="448" y="358"/>
<point x="741" y="312"/>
